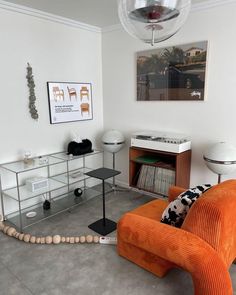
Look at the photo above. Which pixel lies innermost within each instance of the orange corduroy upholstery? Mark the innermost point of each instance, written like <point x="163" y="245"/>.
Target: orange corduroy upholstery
<point x="205" y="245"/>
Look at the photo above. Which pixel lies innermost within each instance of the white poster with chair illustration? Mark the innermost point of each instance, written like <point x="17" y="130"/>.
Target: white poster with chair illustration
<point x="69" y="102"/>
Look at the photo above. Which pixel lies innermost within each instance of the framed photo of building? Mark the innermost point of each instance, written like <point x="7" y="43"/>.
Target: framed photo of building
<point x="69" y="102"/>
<point x="172" y="73"/>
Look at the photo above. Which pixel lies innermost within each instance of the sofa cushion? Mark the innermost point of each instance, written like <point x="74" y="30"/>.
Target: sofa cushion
<point x="177" y="210"/>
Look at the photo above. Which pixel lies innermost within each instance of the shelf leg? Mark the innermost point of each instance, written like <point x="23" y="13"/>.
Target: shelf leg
<point x="84" y="181"/>
<point x="49" y="193"/>
<point x="103" y="203"/>
<point x="68" y="178"/>
<point x="2" y="203"/>
<point x="113" y="166"/>
<point x="19" y="201"/>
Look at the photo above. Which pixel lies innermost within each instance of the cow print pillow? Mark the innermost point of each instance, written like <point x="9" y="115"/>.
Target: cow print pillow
<point x="177" y="210"/>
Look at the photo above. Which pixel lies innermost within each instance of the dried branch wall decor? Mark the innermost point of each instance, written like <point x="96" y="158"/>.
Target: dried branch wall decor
<point x="32" y="97"/>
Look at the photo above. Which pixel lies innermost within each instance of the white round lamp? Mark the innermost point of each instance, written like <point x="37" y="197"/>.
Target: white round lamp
<point x="113" y="141"/>
<point x="220" y="158"/>
<point x="153" y="21"/>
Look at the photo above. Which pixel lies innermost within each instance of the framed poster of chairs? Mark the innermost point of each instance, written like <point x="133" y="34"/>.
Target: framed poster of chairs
<point x="69" y="102"/>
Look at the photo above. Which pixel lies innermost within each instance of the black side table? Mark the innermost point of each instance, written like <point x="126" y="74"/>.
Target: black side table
<point x="103" y="226"/>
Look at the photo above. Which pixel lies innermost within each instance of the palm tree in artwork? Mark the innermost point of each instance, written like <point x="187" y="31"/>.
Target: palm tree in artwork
<point x="174" y="56"/>
<point x="154" y="64"/>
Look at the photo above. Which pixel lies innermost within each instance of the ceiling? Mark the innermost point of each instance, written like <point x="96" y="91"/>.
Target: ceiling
<point x="101" y="13"/>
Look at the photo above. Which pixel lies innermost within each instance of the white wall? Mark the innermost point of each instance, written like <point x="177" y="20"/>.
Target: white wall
<point x="206" y="122"/>
<point x="56" y="52"/>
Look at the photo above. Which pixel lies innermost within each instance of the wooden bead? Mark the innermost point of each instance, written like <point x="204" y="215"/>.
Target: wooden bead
<point x="38" y="240"/>
<point x="5" y="228"/>
<point x="77" y="240"/>
<point x="56" y="239"/>
<point x="27" y="238"/>
<point x="42" y="240"/>
<point x="72" y="240"/>
<point x="1" y="225"/>
<point x="11" y="231"/>
<point x="48" y="240"/>
<point x="33" y="239"/>
<point x="89" y="239"/>
<point x="16" y="235"/>
<point x="21" y="237"/>
<point x="63" y="239"/>
<point x="82" y="239"/>
<point x="67" y="239"/>
<point x="96" y="239"/>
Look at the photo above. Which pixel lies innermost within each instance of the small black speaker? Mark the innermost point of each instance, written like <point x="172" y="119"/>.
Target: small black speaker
<point x="46" y="205"/>
<point x="78" y="192"/>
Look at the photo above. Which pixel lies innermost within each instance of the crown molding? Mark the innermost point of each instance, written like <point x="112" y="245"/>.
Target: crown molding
<point x="210" y="4"/>
<point x="195" y="8"/>
<point x="76" y="24"/>
<point x="112" y="28"/>
<point x="48" y="16"/>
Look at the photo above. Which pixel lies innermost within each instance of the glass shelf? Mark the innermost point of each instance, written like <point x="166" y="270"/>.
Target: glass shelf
<point x="25" y="194"/>
<point x="20" y="166"/>
<point x="65" y="157"/>
<point x="76" y="175"/>
<point x="57" y="206"/>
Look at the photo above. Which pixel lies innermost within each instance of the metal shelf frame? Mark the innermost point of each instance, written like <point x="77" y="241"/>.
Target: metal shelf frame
<point x="57" y="181"/>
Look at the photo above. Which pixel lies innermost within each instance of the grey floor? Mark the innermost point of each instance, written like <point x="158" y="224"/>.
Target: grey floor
<point x="83" y="269"/>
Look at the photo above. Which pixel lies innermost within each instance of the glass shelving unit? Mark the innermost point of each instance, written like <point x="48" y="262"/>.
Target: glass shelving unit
<point x="64" y="173"/>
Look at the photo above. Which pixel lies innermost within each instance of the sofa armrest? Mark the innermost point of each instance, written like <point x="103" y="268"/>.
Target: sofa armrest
<point x="209" y="272"/>
<point x="174" y="192"/>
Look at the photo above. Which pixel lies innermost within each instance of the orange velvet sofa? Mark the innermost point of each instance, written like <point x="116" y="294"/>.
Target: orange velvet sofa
<point x="205" y="245"/>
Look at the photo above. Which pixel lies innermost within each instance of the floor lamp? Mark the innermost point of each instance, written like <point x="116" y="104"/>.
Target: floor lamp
<point x="113" y="141"/>
<point x="220" y="158"/>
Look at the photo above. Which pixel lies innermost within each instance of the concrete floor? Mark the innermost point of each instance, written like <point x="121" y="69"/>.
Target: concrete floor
<point x="83" y="269"/>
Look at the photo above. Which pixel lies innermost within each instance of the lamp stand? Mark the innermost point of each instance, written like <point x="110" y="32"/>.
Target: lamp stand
<point x="113" y="166"/>
<point x="114" y="187"/>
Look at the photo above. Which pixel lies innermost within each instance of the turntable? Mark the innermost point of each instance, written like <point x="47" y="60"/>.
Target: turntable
<point x="162" y="141"/>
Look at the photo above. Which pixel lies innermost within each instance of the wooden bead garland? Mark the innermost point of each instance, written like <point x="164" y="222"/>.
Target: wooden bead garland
<point x="55" y="240"/>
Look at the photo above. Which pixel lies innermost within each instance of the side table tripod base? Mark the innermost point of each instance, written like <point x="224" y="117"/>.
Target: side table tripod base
<point x="103" y="226"/>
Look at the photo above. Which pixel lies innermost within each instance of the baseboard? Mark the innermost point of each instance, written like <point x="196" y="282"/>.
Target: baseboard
<point x="122" y="184"/>
<point x="126" y="185"/>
